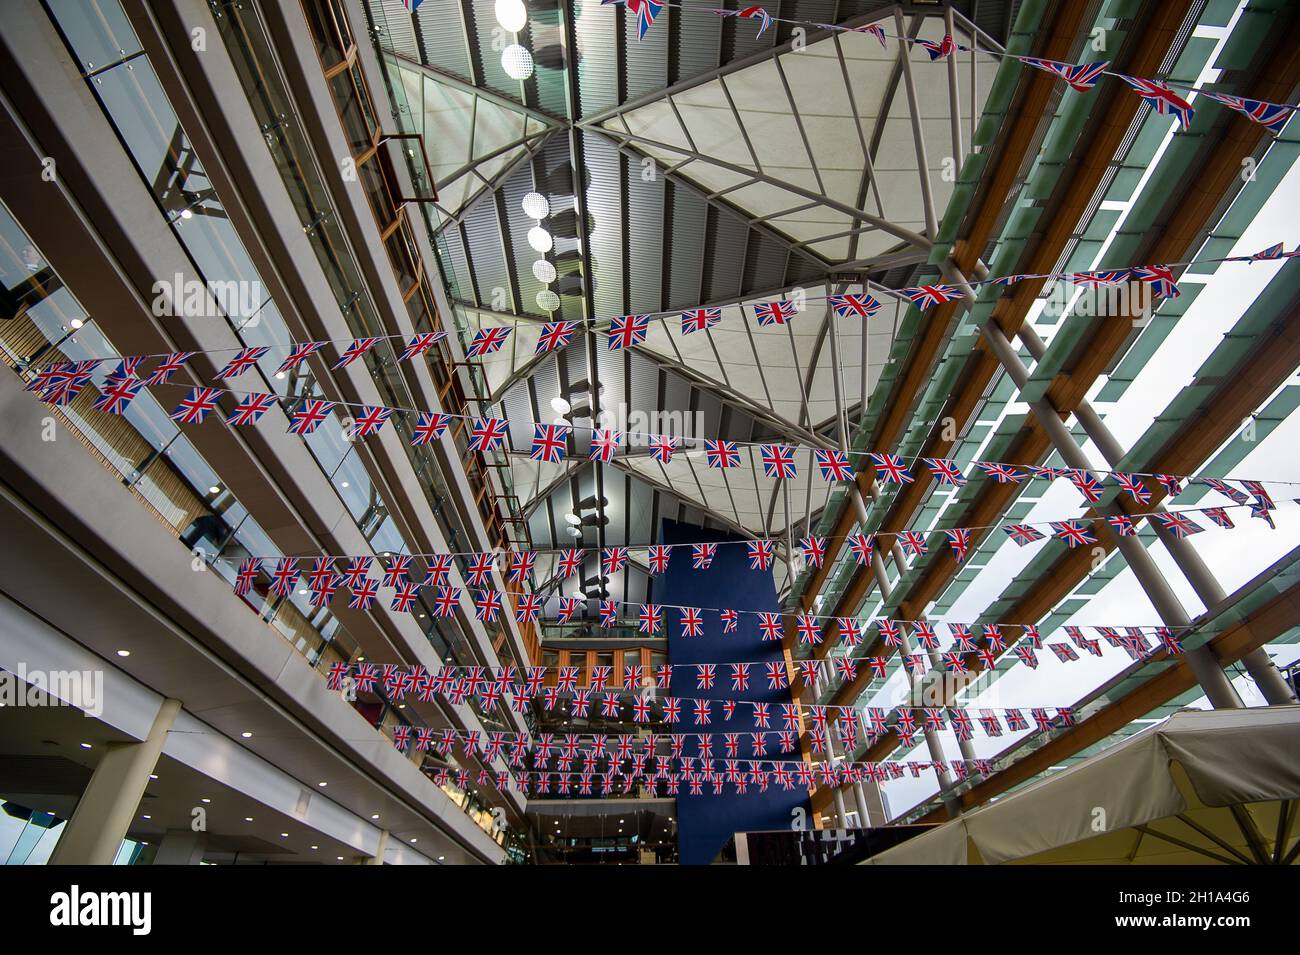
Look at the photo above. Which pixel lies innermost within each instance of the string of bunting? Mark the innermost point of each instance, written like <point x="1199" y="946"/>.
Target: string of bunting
<point x="1161" y="95"/>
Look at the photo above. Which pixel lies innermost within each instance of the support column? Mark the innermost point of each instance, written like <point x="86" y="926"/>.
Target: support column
<point x="378" y="857"/>
<point x="181" y="847"/>
<point x="1204" y="665"/>
<point x="104" y="813"/>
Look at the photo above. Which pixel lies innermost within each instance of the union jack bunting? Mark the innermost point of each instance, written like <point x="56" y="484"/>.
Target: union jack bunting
<point x="445" y="602"/>
<point x="169" y="366"/>
<point x="1133" y="486"/>
<point x="117" y="395"/>
<point x="702" y="555"/>
<point x="197" y="405"/>
<point x="959" y="540"/>
<point x="1081" y="77"/>
<point x="775" y="313"/>
<point x="568" y="608"/>
<point x="809" y="632"/>
<point x="487" y="340"/>
<point x="628" y="330"/>
<point x="657" y="557"/>
<point x="1161" y="278"/>
<point x="521" y="565"/>
<point x="925" y="634"/>
<point x="604" y="442"/>
<point x="364" y="592"/>
<point x="309" y="415"/>
<point x="1122" y="524"/>
<point x="1180" y="525"/>
<point x="419" y="344"/>
<point x="479" y="569"/>
<point x="285" y="577"/>
<point x="549" y="442"/>
<point x="570" y="562"/>
<point x="1161" y="98"/>
<point x="645" y="12"/>
<point x="404" y="597"/>
<point x="730" y="620"/>
<point x="368" y="420"/>
<point x="1002" y="473"/>
<point x="245" y="580"/>
<point x="438" y="570"/>
<point x="760" y="554"/>
<point x="913" y="543"/>
<point x="850" y="631"/>
<point x="1100" y="277"/>
<point x="608" y="613"/>
<point x="1087" y="484"/>
<point x="1023" y="534"/>
<point x="354" y="351"/>
<point x="860" y="548"/>
<point x="891" y="631"/>
<point x="1168" y="641"/>
<point x="938" y="50"/>
<point x="1172" y="484"/>
<point x="486" y="434"/>
<point x="691" y="621"/>
<point x="662" y="447"/>
<point x="814" y="550"/>
<point x="778" y="460"/>
<point x="246" y="359"/>
<point x="945" y="471"/>
<point x="487" y="605"/>
<point x="1075" y="533"/>
<point x="721" y="454"/>
<point x="1223" y="487"/>
<point x="1219" y="516"/>
<point x="398" y="571"/>
<point x="833" y="464"/>
<point x="769" y="626"/>
<point x="613" y="560"/>
<point x="700" y="319"/>
<point x="429" y="427"/>
<point x="1272" y="116"/>
<point x="128" y="367"/>
<point x="928" y="296"/>
<point x="749" y="13"/>
<point x="251" y="409"/>
<point x="875" y="29"/>
<point x="862" y="305"/>
<point x="299" y="353"/>
<point x="890" y="468"/>
<point x="555" y="335"/>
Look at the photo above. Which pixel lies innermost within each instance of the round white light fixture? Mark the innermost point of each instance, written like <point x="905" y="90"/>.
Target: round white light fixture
<point x="511" y="14"/>
<point x="575" y="531"/>
<point x="547" y="300"/>
<point x="540" y="239"/>
<point x="573" y="519"/>
<point x="517" y="62"/>
<point x="560" y="405"/>
<point x="544" y="271"/>
<point x="536" y="206"/>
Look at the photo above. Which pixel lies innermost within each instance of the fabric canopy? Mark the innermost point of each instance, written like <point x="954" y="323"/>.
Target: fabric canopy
<point x="1203" y="786"/>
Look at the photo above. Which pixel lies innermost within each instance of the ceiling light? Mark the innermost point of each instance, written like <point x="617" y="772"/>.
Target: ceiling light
<point x="374" y="815"/>
<point x="440" y="858"/>
<point x="539" y="239"/>
<point x="543" y="271"/>
<point x="517" y="62"/>
<point x="536" y="206"/>
<point x="246" y="734"/>
<point x="284" y="835"/>
<point x="573" y="519"/>
<point x="123" y="653"/>
<point x="186" y="214"/>
<point x="215" y="489"/>
<point x="511" y="14"/>
<point x="314" y="848"/>
<point x="205" y="799"/>
<point x="414" y="841"/>
<point x="322" y="784"/>
<point x="248" y="819"/>
<point x="85" y="746"/>
<point x="561" y="405"/>
<point x="575" y="531"/>
<point x="76" y="323"/>
<point x="547" y="300"/>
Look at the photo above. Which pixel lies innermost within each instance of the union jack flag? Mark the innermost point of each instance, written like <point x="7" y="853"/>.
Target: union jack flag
<point x="1002" y="473"/>
<point x="1272" y="116"/>
<point x="197" y="405"/>
<point x="480" y="568"/>
<point x="860" y="548"/>
<point x="555" y="335"/>
<point x="1161" y="278"/>
<point x="1081" y="76"/>
<point x="891" y="631"/>
<point x="429" y="427"/>
<point x="309" y="415"/>
<point x="420" y="344"/>
<point x="1161" y="98"/>
<point x="1087" y="484"/>
<point x="775" y="313"/>
<point x="354" y="351"/>
<point x="890" y="468"/>
<point x="959" y="538"/>
<point x="117" y="395"/>
<point x="285" y="577"/>
<point x="613" y="560"/>
<point x="628" y="330"/>
<point x="1180" y="525"/>
<point x="1101" y="277"/>
<point x="438" y="572"/>
<point x="245" y="580"/>
<point x="925" y="634"/>
<point x="645" y="12"/>
<point x="364" y="592"/>
<point x="760" y="554"/>
<point x="662" y="447"/>
<point x="369" y="420"/>
<point x="299" y="353"/>
<point x="814" y="550"/>
<point x="778" y="460"/>
<point x="405" y="595"/>
<point x="913" y="542"/>
<point x="1220" y="517"/>
<point x="1122" y="525"/>
<point x="928" y="296"/>
<point x="604" y="443"/>
<point x="692" y="622"/>
<point x="846" y="305"/>
<point x="650" y="618"/>
<point x="721" y="454"/>
<point x="569" y="608"/>
<point x="809" y="631"/>
<point x="169" y="366"/>
<point x="1023" y="534"/>
<point x="487" y="605"/>
<point x="657" y="557"/>
<point x="850" y="630"/>
<point x="128" y="367"/>
<point x="641" y="709"/>
<point x="833" y="464"/>
<point x="730" y="620"/>
<point x="398" y="571"/>
<point x="446" y="602"/>
<point x="702" y="555"/>
<point x="521" y="565"/>
<point x="1168" y="640"/>
<point x="487" y="340"/>
<point x="938" y="50"/>
<point x="1135" y="488"/>
<point x="246" y="359"/>
<point x="945" y="471"/>
<point x="875" y="29"/>
<point x="700" y="319"/>
<point x="1074" y="533"/>
<point x="705" y="675"/>
<point x="486" y="434"/>
<point x="549" y="442"/>
<point x="749" y="13"/>
<point x="769" y="626"/>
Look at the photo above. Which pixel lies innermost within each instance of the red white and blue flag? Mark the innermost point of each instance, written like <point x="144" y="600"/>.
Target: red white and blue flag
<point x="1081" y="76"/>
<point x="488" y="340"/>
<point x="549" y="442"/>
<point x="430" y="426"/>
<point x="890" y="468"/>
<point x="700" y="319"/>
<point x="775" y="313"/>
<point x="760" y="554"/>
<point x="1272" y="116"/>
<point x="834" y="464"/>
<point x="486" y="434"/>
<point x="604" y="442"/>
<point x="628" y="330"/>
<point x="940" y="49"/>
<point x="778" y="460"/>
<point x="721" y="454"/>
<point x="1161" y="98"/>
<point x="862" y="305"/>
<point x="354" y="351"/>
<point x="555" y="335"/>
<point x="645" y="12"/>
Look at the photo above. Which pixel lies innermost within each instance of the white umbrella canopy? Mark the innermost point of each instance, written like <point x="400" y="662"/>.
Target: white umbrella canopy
<point x="1204" y="787"/>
